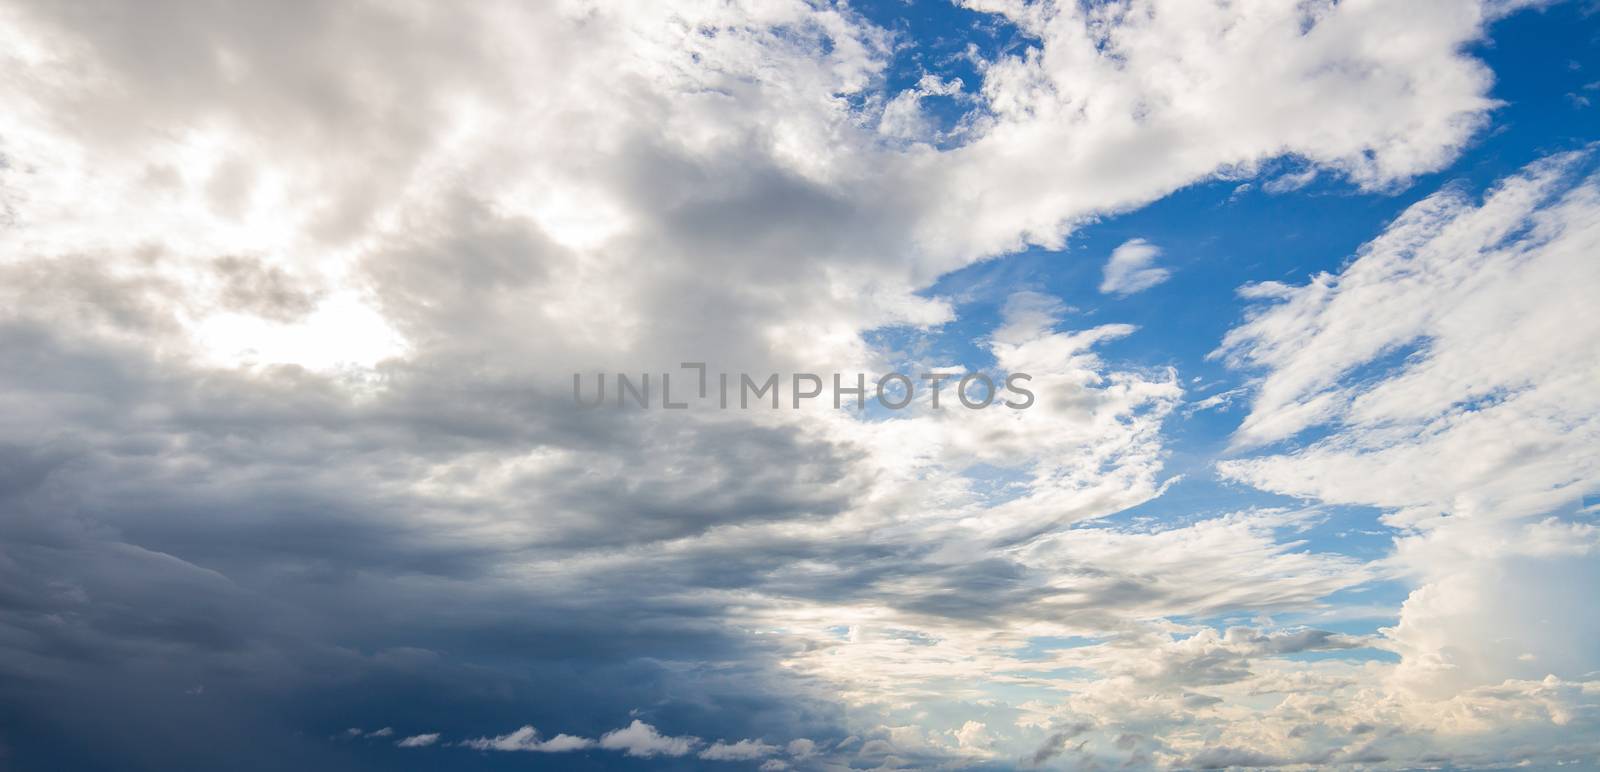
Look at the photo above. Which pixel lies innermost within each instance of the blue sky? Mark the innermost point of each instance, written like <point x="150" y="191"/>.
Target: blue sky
<point x="291" y="476"/>
<point x="1217" y="237"/>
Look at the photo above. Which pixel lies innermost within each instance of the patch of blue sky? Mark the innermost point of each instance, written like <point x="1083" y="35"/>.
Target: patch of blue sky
<point x="948" y="42"/>
<point x="1352" y="531"/>
<point x="1219" y="235"/>
<point x="1363" y="654"/>
<point x="1216" y="237"/>
<point x="1034" y="687"/>
<point x="1360" y="610"/>
<point x="995" y="485"/>
<point x="1340" y="530"/>
<point x="1040" y="647"/>
<point x="1354" y="610"/>
<point x="1200" y="496"/>
<point x="1058" y="674"/>
<point x="1581" y="507"/>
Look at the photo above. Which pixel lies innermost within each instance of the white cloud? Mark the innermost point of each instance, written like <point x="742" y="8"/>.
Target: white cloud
<point x="419" y="740"/>
<point x="743" y="750"/>
<point x="1290" y="182"/>
<point x="802" y="748"/>
<point x="1488" y="306"/>
<point x="1122" y="104"/>
<point x="527" y="739"/>
<point x="973" y="736"/>
<point x="641" y="739"/>
<point x="1131" y="268"/>
<point x="903" y="117"/>
<point x="1452" y="365"/>
<point x="1103" y="584"/>
<point x="1144" y="102"/>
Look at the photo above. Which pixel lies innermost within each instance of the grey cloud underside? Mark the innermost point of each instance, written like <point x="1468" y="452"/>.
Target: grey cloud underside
<point x="263" y="536"/>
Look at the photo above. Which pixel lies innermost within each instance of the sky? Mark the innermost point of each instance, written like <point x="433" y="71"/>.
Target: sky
<point x="293" y="296"/>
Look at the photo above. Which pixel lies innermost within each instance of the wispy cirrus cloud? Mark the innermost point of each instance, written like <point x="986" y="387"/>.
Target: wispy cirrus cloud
<point x="1475" y="439"/>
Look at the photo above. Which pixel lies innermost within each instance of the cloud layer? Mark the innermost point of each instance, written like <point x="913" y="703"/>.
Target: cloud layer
<point x="290" y="297"/>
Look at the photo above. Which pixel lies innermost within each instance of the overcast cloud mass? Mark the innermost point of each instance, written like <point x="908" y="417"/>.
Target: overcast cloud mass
<point x="292" y="295"/>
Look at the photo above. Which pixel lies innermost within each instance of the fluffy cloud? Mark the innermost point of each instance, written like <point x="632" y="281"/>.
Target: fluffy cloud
<point x="802" y="748"/>
<point x="352" y="181"/>
<point x="641" y="739"/>
<point x="743" y="750"/>
<point x="419" y="740"/>
<point x="638" y="739"/>
<point x="527" y="739"/>
<point x="1130" y="101"/>
<point x="1131" y="268"/>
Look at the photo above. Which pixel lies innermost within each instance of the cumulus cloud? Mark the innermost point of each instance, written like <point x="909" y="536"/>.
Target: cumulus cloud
<point x="527" y="738"/>
<point x="419" y="740"/>
<point x="743" y="750"/>
<point x="642" y="740"/>
<point x="638" y="739"/>
<point x="1131" y="268"/>
<point x="1146" y="96"/>
<point x="802" y="748"/>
